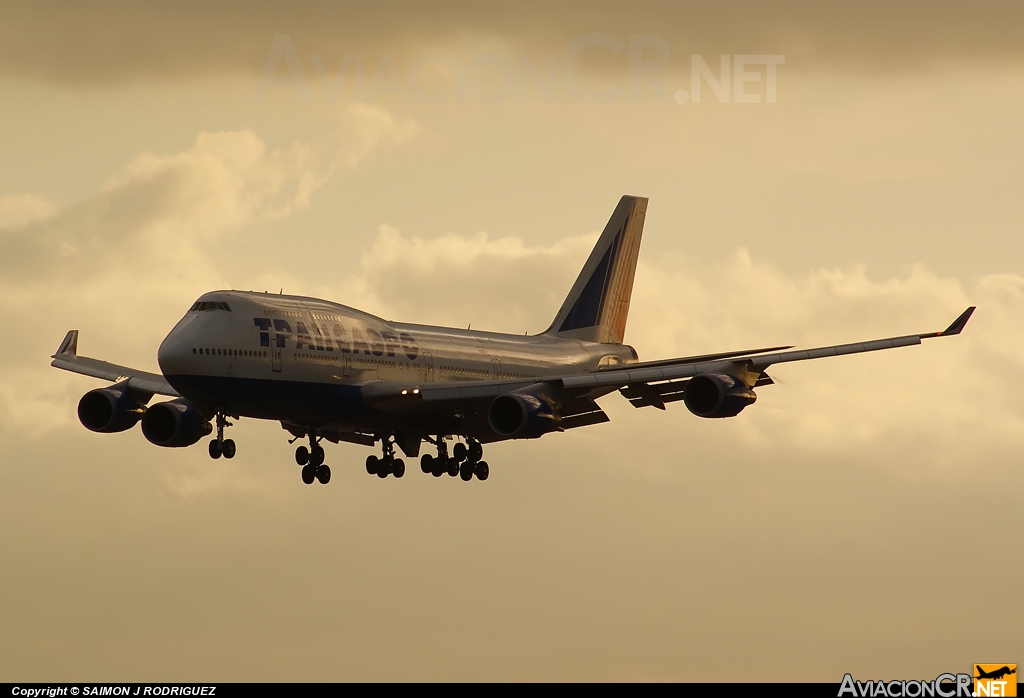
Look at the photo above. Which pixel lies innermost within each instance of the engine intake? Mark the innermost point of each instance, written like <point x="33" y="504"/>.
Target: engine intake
<point x="109" y="410"/>
<point x="715" y="395"/>
<point x="174" y="424"/>
<point x="521" y="416"/>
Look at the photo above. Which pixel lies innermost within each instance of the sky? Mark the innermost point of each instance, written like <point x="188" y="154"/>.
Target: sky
<point x="849" y="171"/>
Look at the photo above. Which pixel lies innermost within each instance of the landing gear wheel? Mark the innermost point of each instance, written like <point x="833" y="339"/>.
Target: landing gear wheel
<point x="317" y="456"/>
<point x="459" y="452"/>
<point x="466" y="471"/>
<point x="384" y="469"/>
<point x="476" y="451"/>
<point x="398" y="468"/>
<point x="323" y="474"/>
<point x="215" y="449"/>
<point x="228" y="448"/>
<point x="308" y="473"/>
<point x="453" y="467"/>
<point x="481" y="470"/>
<point x="439" y="467"/>
<point x="372" y="464"/>
<point x="301" y="455"/>
<point x="426" y="463"/>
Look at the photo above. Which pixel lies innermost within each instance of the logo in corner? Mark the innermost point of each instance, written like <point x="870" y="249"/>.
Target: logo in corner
<point x="995" y="680"/>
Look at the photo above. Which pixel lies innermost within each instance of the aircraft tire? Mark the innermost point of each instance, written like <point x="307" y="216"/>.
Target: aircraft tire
<point x="439" y="467"/>
<point x="481" y="470"/>
<point x="301" y="455"/>
<point x="308" y="473"/>
<point x="228" y="447"/>
<point x="466" y="471"/>
<point x="317" y="456"/>
<point x="453" y="467"/>
<point x="372" y="464"/>
<point x="398" y="468"/>
<point x="459" y="452"/>
<point x="476" y="451"/>
<point x="426" y="463"/>
<point x="384" y="468"/>
<point x="323" y="474"/>
<point x="214" y="449"/>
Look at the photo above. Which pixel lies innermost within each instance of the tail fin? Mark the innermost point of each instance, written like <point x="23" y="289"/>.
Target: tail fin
<point x="596" y="308"/>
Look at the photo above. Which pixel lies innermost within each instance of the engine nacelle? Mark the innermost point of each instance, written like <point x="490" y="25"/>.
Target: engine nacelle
<point x="717" y="395"/>
<point x="521" y="416"/>
<point x="109" y="410"/>
<point x="174" y="424"/>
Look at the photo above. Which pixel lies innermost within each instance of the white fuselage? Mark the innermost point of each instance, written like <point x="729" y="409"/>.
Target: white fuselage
<point x="236" y="343"/>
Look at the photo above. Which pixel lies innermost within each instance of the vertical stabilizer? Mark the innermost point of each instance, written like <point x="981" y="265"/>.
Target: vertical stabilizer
<point x="597" y="306"/>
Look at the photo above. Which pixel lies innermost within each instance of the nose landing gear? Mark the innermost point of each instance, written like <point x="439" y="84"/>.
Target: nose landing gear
<point x="221" y="446"/>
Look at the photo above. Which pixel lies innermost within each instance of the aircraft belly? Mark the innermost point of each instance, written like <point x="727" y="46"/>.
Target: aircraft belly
<point x="262" y="398"/>
<point x="300" y="402"/>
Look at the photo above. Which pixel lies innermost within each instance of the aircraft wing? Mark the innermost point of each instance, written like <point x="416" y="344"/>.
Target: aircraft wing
<point x="652" y="383"/>
<point x="656" y="385"/>
<point x="68" y="359"/>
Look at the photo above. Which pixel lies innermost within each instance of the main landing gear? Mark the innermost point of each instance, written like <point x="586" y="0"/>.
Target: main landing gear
<point x="388" y="465"/>
<point x="465" y="461"/>
<point x="221" y="446"/>
<point x="312" y="461"/>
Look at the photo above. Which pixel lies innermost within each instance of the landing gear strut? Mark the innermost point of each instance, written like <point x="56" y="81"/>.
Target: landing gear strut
<point x="388" y="464"/>
<point x="221" y="446"/>
<point x="465" y="460"/>
<point x="312" y="461"/>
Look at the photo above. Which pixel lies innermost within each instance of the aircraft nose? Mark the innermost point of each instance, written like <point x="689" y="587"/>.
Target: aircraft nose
<point x="173" y="356"/>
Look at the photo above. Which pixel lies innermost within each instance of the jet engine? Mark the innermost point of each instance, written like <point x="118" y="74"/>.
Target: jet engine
<point x="109" y="410"/>
<point x="717" y="395"/>
<point x="174" y="424"/>
<point x="521" y="416"/>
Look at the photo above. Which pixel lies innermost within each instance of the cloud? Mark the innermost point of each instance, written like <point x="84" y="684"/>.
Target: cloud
<point x="160" y="207"/>
<point x="494" y="284"/>
<point x="125" y="41"/>
<point x="124" y="256"/>
<point x="944" y="401"/>
<point x="22" y="209"/>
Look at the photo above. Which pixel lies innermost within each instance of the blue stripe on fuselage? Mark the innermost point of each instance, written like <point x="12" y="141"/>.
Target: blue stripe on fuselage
<point x="262" y="398"/>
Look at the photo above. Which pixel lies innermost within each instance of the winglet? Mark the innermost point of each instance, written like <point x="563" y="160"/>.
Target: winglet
<point x="959" y="323"/>
<point x="69" y="347"/>
<point x="956" y="328"/>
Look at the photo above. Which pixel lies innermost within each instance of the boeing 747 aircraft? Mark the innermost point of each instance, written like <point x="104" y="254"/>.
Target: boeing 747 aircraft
<point x="327" y="371"/>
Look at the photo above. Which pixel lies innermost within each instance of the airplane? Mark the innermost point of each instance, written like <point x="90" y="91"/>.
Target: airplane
<point x="996" y="674"/>
<point x="326" y="371"/>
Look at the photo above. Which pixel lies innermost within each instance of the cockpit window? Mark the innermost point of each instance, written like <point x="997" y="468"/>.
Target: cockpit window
<point x="209" y="305"/>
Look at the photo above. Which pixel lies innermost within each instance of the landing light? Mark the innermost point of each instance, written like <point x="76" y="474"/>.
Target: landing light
<point x="405" y="392"/>
<point x="415" y="391"/>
